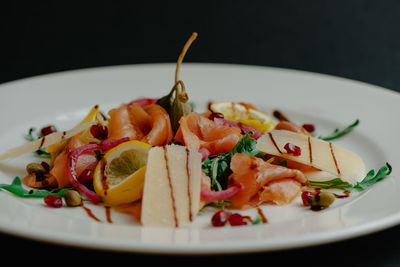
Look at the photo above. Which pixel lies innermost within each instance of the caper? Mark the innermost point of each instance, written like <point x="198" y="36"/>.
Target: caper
<point x="72" y="198"/>
<point x="36" y="169"/>
<point x="321" y="200"/>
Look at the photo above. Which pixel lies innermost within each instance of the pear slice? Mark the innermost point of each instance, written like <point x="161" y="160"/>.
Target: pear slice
<point x="315" y="152"/>
<point x="45" y="141"/>
<point x="171" y="193"/>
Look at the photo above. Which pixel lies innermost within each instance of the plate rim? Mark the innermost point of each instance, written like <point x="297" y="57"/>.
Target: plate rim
<point x="368" y="228"/>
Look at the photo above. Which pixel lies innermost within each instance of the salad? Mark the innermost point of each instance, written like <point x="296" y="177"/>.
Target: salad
<point x="162" y="162"/>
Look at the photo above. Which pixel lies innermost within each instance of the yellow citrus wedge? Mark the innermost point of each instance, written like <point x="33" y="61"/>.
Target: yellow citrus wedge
<point x="244" y="114"/>
<point x="119" y="176"/>
<point x="93" y="116"/>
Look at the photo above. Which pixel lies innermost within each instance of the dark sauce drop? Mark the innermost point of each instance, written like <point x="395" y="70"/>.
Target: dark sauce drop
<point x="90" y="213"/>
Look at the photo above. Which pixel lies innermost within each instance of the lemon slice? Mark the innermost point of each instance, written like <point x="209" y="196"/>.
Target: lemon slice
<point x="246" y="115"/>
<point x="93" y="117"/>
<point x="119" y="176"/>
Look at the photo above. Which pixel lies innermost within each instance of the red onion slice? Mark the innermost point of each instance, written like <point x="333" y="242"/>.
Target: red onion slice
<point x="208" y="195"/>
<point x="73" y="159"/>
<point x="143" y="101"/>
<point x="204" y="153"/>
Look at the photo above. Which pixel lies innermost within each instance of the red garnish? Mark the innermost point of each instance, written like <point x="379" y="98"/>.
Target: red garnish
<point x="143" y="101"/>
<point x="208" y="195"/>
<point x="204" y="153"/>
<point x="292" y="149"/>
<point x="245" y="129"/>
<point x="236" y="220"/>
<point x="73" y="159"/>
<point x="216" y="115"/>
<point x="53" y="201"/>
<point x="306" y="197"/>
<point x="48" y="130"/>
<point x="309" y="127"/>
<point x="99" y="131"/>
<point x="86" y="176"/>
<point x="220" y="218"/>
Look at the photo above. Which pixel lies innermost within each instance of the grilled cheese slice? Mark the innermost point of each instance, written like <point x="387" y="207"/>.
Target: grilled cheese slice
<point x="171" y="193"/>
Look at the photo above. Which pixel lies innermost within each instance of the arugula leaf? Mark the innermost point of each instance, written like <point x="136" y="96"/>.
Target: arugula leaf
<point x="338" y="133"/>
<point x="16" y="188"/>
<point x="371" y="178"/>
<point x="283" y="163"/>
<point x="257" y="220"/>
<point x="218" y="167"/>
<point x="336" y="183"/>
<point x="368" y="180"/>
<point x="40" y="152"/>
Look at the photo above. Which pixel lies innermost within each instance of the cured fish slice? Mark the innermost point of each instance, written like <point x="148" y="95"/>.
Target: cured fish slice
<point x="198" y="132"/>
<point x="120" y="126"/>
<point x="280" y="192"/>
<point x="290" y="126"/>
<point x="171" y="193"/>
<point x="253" y="174"/>
<point x="316" y="153"/>
<point x="149" y="124"/>
<point x="87" y="161"/>
<point x="161" y="131"/>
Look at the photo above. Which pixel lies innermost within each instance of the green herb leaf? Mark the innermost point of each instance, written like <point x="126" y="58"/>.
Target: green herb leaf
<point x="40" y="152"/>
<point x="335" y="183"/>
<point x="338" y="133"/>
<point x="16" y="188"/>
<point x="371" y="178"/>
<point x="368" y="180"/>
<point x="257" y="220"/>
<point x="283" y="163"/>
<point x="98" y="154"/>
<point x="218" y="167"/>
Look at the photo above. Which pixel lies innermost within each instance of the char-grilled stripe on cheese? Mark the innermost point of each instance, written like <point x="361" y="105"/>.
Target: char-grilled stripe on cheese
<point x="273" y="142"/>
<point x="171" y="187"/>
<point x="334" y="159"/>
<point x="315" y="152"/>
<point x="188" y="185"/>
<point x="171" y="193"/>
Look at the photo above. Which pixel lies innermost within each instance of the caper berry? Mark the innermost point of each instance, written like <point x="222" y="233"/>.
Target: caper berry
<point x="72" y="198"/>
<point x="321" y="200"/>
<point x="36" y="169"/>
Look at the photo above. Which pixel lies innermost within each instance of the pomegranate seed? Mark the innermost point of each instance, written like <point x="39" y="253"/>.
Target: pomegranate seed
<point x="220" y="218"/>
<point x="53" y="201"/>
<point x="216" y="115"/>
<point x="204" y="153"/>
<point x="99" y="131"/>
<point x="86" y="176"/>
<point x="236" y="220"/>
<point x="292" y="149"/>
<point x="309" y="127"/>
<point x="306" y="196"/>
<point x="48" y="130"/>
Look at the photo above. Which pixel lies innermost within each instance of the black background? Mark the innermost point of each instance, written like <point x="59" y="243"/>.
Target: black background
<point x="353" y="39"/>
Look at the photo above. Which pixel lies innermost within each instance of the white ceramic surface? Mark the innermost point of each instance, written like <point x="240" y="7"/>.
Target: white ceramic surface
<point x="328" y="102"/>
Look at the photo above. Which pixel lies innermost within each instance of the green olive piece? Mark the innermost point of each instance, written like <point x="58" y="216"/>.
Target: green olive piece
<point x="72" y="198"/>
<point x="36" y="168"/>
<point x="321" y="200"/>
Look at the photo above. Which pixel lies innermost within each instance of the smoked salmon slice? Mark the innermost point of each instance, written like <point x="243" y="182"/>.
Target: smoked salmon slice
<point x="198" y="132"/>
<point x="150" y="124"/>
<point x="290" y="126"/>
<point x="255" y="174"/>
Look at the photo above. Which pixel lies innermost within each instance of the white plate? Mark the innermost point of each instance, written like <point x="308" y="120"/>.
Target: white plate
<point x="328" y="102"/>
